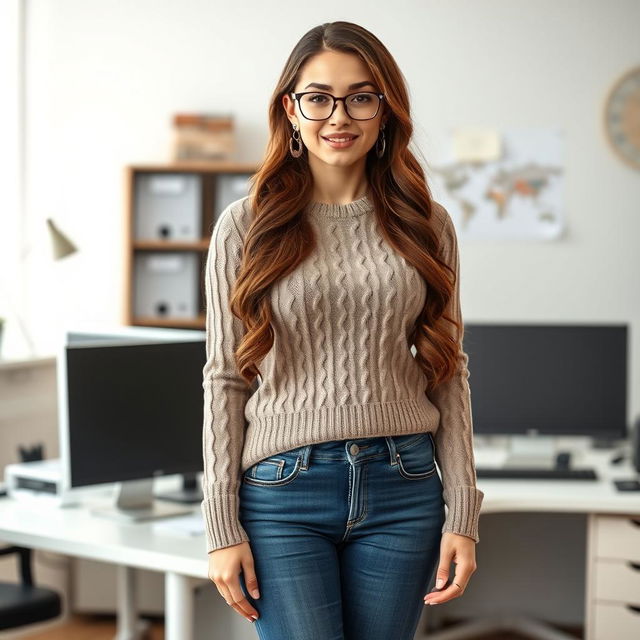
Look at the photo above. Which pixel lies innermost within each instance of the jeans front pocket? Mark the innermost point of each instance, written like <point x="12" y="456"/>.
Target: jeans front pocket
<point x="417" y="460"/>
<point x="276" y="470"/>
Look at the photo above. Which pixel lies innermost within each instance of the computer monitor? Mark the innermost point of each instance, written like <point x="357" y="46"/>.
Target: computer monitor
<point x="131" y="409"/>
<point x="548" y="379"/>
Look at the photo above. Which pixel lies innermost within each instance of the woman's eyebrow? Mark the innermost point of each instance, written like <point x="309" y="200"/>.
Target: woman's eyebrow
<point x="328" y="87"/>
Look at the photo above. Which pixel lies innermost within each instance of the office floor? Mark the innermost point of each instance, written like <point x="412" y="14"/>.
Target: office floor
<point x="92" y="627"/>
<point x="102" y="627"/>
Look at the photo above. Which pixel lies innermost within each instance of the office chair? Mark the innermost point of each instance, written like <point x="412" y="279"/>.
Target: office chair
<point x="24" y="603"/>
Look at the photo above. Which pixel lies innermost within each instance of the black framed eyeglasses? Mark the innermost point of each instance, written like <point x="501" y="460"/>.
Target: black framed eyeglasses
<point x="319" y="105"/>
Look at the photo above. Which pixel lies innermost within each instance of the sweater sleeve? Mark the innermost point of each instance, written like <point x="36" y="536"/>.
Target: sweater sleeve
<point x="225" y="391"/>
<point x="454" y="437"/>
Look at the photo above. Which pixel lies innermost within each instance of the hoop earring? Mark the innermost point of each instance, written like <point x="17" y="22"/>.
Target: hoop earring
<point x="296" y="153"/>
<point x="380" y="151"/>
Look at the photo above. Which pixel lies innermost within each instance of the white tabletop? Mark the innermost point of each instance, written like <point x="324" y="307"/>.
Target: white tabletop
<point x="568" y="496"/>
<point x="76" y="531"/>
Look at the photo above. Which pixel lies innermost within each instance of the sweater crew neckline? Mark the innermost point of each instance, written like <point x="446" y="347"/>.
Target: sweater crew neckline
<point x="349" y="210"/>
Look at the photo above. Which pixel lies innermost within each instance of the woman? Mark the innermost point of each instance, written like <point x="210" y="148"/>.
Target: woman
<point x="317" y="281"/>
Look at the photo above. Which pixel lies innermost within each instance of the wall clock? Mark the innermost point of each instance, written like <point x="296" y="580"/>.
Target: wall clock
<point x="622" y="117"/>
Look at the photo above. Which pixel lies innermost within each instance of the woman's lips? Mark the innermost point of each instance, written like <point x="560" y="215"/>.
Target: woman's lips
<point x="339" y="145"/>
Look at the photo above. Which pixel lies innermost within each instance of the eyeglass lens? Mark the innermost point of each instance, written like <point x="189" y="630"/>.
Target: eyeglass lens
<point x="360" y="106"/>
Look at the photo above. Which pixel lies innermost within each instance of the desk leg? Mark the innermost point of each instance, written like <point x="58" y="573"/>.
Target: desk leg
<point x="178" y="599"/>
<point x="129" y="627"/>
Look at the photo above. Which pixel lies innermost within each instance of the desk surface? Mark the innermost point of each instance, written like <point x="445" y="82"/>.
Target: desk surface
<point x="568" y="496"/>
<point x="77" y="532"/>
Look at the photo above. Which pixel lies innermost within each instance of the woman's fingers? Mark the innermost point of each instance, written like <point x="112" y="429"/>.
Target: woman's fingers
<point x="442" y="574"/>
<point x="461" y="551"/>
<point x="232" y="593"/>
<point x="242" y="605"/>
<point x="456" y="587"/>
<point x="250" y="579"/>
<point x="244" y="608"/>
<point x="225" y="566"/>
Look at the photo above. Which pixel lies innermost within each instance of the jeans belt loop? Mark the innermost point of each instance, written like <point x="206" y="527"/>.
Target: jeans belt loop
<point x="392" y="449"/>
<point x="304" y="456"/>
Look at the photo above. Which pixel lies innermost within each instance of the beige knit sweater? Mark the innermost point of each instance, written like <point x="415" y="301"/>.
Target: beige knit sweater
<point x="340" y="366"/>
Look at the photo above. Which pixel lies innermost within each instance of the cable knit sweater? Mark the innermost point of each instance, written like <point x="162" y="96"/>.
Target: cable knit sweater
<point x="340" y="366"/>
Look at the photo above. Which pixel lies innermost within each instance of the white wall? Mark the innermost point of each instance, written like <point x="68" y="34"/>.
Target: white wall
<point x="11" y="158"/>
<point x="104" y="79"/>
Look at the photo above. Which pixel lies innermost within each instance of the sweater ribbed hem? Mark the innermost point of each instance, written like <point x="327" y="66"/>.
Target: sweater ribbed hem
<point x="267" y="435"/>
<point x="222" y="526"/>
<point x="464" y="512"/>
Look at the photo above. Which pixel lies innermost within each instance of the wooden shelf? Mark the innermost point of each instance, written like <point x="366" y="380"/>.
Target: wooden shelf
<point x="215" y="185"/>
<point x="196" y="167"/>
<point x="178" y="323"/>
<point x="160" y="245"/>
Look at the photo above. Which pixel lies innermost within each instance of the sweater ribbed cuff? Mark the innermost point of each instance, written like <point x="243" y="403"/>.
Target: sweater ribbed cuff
<point x="464" y="512"/>
<point x="222" y="526"/>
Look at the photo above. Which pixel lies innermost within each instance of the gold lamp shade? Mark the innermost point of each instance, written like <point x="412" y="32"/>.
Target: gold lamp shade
<point x="62" y="246"/>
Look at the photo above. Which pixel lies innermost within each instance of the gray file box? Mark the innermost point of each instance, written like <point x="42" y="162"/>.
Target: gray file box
<point x="229" y="188"/>
<point x="166" y="284"/>
<point x="168" y="206"/>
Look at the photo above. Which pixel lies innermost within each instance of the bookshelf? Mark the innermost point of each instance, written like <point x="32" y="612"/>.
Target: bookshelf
<point x="170" y="210"/>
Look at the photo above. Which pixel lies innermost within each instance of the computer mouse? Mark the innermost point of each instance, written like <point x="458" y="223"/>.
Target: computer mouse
<point x="563" y="460"/>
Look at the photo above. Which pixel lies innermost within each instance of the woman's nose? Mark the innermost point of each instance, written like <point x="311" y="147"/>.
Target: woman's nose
<point x="340" y="112"/>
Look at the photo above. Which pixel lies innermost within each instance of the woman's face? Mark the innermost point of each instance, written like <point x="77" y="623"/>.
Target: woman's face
<point x="339" y="74"/>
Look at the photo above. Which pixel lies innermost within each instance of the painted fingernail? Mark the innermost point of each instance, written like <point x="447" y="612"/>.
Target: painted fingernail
<point x="255" y="593"/>
<point x="439" y="583"/>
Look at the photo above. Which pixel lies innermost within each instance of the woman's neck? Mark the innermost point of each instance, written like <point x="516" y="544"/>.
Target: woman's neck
<point x="341" y="190"/>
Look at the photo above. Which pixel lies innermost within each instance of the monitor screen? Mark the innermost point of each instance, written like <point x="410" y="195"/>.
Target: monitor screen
<point x="548" y="379"/>
<point x="134" y="410"/>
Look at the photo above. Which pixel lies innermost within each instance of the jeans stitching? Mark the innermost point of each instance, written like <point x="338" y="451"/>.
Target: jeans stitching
<point x="249" y="479"/>
<point x="414" y="476"/>
<point x="364" y="493"/>
<point x="373" y="456"/>
<point x="278" y="463"/>
<point x="312" y="456"/>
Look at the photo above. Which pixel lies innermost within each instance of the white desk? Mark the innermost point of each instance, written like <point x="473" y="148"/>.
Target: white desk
<point x="613" y="543"/>
<point x="566" y="496"/>
<point x="75" y="532"/>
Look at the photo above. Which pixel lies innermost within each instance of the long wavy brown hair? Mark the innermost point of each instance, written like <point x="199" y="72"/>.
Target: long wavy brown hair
<point x="280" y="237"/>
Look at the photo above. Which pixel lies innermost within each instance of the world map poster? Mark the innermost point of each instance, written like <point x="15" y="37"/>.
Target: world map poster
<point x="516" y="194"/>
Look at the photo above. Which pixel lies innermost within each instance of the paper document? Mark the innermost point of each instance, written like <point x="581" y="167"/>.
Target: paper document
<point x="191" y="524"/>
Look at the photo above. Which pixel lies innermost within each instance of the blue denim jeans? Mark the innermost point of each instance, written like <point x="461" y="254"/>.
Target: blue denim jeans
<point x="345" y="537"/>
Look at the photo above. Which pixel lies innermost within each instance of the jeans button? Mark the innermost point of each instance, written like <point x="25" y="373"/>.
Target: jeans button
<point x="353" y="449"/>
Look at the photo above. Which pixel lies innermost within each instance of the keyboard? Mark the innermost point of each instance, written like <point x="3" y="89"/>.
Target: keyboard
<point x="536" y="473"/>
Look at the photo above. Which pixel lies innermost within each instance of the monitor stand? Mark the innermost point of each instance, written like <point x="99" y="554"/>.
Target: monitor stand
<point x="190" y="493"/>
<point x="135" y="503"/>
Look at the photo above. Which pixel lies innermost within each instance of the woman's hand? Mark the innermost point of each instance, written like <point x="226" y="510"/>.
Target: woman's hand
<point x="462" y="551"/>
<point x="224" y="571"/>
